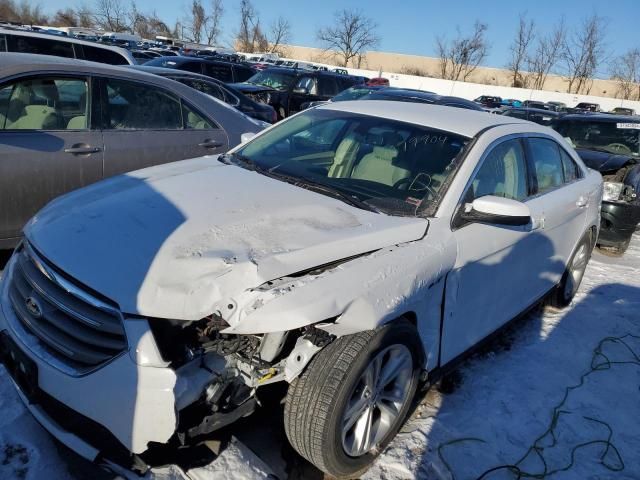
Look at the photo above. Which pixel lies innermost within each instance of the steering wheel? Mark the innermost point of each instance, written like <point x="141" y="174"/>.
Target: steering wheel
<point x="619" y="148"/>
<point x="410" y="182"/>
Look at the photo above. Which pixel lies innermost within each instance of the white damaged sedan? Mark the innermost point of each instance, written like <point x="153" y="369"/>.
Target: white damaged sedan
<point x="353" y="251"/>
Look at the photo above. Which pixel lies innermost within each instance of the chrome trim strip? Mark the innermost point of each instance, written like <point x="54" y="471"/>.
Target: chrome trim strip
<point x="65" y="284"/>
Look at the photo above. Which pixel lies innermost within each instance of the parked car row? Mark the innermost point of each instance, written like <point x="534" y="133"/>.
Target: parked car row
<point x="498" y="104"/>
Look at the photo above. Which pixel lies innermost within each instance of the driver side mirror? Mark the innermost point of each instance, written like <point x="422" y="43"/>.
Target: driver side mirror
<point x="497" y="211"/>
<point x="301" y="91"/>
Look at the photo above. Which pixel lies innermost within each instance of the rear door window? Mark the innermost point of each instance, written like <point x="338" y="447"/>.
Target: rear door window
<point x="195" y="67"/>
<point x="547" y="164"/>
<point x="133" y="106"/>
<point x="204" y="87"/>
<point x="221" y="72"/>
<point x="327" y="86"/>
<point x="42" y="46"/>
<point x="571" y="170"/>
<point x="44" y="103"/>
<point x="102" y="55"/>
<point x="243" y="73"/>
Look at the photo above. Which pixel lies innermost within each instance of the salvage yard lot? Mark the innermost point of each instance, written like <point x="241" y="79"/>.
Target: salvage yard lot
<point x="505" y="401"/>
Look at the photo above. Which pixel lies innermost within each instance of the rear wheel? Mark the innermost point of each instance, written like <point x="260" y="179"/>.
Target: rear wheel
<point x="563" y="294"/>
<point x="353" y="398"/>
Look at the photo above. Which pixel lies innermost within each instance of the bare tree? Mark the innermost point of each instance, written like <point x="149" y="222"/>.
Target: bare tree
<point x="459" y="57"/>
<point x="85" y="16"/>
<point x="250" y="37"/>
<point x="520" y="51"/>
<point x="279" y="34"/>
<point x="350" y="35"/>
<point x="625" y="70"/>
<point x="583" y="52"/>
<point x="112" y="15"/>
<point x="65" y="18"/>
<point x="213" y="22"/>
<point x="545" y="56"/>
<point x="196" y="20"/>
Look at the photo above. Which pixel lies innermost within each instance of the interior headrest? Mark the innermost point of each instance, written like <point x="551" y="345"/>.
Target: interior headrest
<point x="392" y="139"/>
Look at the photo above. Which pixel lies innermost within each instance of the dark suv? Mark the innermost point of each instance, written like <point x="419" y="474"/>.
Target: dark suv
<point x="611" y="145"/>
<point x="226" y="72"/>
<point x="286" y="89"/>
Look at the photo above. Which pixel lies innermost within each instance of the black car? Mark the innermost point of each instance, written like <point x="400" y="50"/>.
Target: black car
<point x="420" y="96"/>
<point x="217" y="89"/>
<point x="537" y="115"/>
<point x="286" y="89"/>
<point x="535" y="104"/>
<point x="611" y="145"/>
<point x="379" y="92"/>
<point x="226" y="72"/>
<point x="489" y="101"/>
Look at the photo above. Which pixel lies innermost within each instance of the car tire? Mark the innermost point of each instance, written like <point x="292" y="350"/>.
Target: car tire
<point x="565" y="291"/>
<point x="343" y="385"/>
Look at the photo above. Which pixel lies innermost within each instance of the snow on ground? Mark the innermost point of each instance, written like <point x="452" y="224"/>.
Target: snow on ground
<point x="501" y="409"/>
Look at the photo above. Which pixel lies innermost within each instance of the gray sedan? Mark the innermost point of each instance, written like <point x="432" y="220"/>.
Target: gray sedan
<point x="67" y="123"/>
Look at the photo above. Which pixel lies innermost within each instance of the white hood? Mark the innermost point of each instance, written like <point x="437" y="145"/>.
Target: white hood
<point x="181" y="240"/>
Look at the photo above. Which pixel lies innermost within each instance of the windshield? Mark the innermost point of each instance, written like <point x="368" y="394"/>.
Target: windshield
<point x="353" y="93"/>
<point x="614" y="137"/>
<point x="277" y="80"/>
<point x="379" y="164"/>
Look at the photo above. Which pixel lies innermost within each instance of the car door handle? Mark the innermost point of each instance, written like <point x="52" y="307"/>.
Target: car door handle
<point x="82" y="150"/>
<point x="582" y="202"/>
<point x="210" y="144"/>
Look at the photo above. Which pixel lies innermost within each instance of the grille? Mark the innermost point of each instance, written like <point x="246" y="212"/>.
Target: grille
<point x="78" y="328"/>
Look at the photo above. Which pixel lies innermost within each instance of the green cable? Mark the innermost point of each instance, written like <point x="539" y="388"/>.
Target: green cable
<point x="599" y="362"/>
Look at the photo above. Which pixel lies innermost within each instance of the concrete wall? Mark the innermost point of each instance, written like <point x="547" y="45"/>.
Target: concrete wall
<point x="473" y="90"/>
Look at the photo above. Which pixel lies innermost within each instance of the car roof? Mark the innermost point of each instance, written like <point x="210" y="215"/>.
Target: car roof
<point x="535" y="110"/>
<point x="173" y="72"/>
<point x="457" y="120"/>
<point x="304" y="71"/>
<point x="186" y="58"/>
<point x="21" y="63"/>
<point x="601" y="117"/>
<point x="64" y="38"/>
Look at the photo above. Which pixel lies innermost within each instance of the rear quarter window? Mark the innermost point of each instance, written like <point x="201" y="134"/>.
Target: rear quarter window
<point x="42" y="46"/>
<point x="102" y="55"/>
<point x="221" y="72"/>
<point x="244" y="73"/>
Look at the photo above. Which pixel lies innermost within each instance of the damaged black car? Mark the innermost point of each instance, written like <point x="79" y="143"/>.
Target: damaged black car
<point x="611" y="145"/>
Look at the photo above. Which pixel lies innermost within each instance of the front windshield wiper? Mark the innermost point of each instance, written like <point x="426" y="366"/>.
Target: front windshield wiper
<point x="323" y="188"/>
<point x="302" y="182"/>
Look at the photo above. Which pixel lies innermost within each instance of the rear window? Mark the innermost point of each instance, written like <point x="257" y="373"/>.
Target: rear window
<point x="42" y="46"/>
<point x="244" y="73"/>
<point x="102" y="55"/>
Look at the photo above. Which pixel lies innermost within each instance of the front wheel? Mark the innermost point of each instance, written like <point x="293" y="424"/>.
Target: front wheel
<point x="353" y="398"/>
<point x="563" y="294"/>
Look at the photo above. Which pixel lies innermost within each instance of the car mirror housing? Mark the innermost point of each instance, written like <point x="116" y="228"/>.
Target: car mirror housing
<point x="301" y="91"/>
<point x="498" y="211"/>
<point x="245" y="137"/>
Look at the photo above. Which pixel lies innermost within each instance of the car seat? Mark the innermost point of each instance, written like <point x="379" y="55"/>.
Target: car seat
<point x="79" y="122"/>
<point x="382" y="164"/>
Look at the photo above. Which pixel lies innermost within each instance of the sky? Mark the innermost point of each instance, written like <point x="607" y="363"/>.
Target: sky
<point x="411" y="26"/>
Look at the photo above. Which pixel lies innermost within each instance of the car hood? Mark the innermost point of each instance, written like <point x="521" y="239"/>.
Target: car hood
<point x="182" y="240"/>
<point x="602" y="161"/>
<point x="251" y="88"/>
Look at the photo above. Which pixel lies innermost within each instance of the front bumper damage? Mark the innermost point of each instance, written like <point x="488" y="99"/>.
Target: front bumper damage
<point x="618" y="222"/>
<point x="126" y="410"/>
